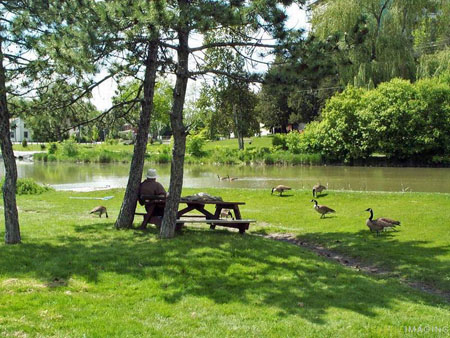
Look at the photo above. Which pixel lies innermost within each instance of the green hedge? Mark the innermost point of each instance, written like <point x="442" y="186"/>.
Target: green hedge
<point x="402" y="120"/>
<point x="27" y="186"/>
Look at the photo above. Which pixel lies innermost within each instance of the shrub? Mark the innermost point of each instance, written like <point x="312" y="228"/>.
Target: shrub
<point x="70" y="148"/>
<point x="53" y="148"/>
<point x="163" y="158"/>
<point x="268" y="159"/>
<point x="293" y="142"/>
<point x="24" y="143"/>
<point x="27" y="186"/>
<point x="51" y="158"/>
<point x="195" y="144"/>
<point x="43" y="146"/>
<point x="40" y="157"/>
<point x="279" y="141"/>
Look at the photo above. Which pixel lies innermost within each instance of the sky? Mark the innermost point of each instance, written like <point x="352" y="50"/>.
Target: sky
<point x="102" y="95"/>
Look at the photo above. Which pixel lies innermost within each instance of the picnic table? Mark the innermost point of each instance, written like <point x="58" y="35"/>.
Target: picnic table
<point x="202" y="216"/>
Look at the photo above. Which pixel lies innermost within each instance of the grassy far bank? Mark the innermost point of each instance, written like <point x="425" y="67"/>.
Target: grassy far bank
<point x="212" y="152"/>
<point x="74" y="270"/>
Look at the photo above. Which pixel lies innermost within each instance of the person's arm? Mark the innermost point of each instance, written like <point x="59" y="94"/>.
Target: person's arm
<point x="161" y="190"/>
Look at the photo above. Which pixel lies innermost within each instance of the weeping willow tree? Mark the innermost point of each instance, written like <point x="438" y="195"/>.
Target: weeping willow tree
<point x="386" y="33"/>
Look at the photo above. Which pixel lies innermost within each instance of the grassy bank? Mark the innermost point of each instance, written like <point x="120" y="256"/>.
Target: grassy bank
<point x="75" y="275"/>
<point x="219" y="152"/>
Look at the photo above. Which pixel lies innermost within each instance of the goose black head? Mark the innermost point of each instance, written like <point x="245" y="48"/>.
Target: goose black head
<point x="368" y="209"/>
<point x="314" y="201"/>
<point x="272" y="191"/>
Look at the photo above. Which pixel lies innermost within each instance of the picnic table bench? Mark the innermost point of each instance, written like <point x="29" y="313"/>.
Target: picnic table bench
<point x="205" y="216"/>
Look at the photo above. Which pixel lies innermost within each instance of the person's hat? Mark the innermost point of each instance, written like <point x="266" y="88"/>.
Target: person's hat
<point x="151" y="173"/>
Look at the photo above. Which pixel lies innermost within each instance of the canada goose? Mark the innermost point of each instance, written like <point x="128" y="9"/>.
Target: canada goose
<point x="318" y="189"/>
<point x="380" y="223"/>
<point x="223" y="178"/>
<point x="232" y="178"/>
<point x="322" y="209"/>
<point x="101" y="210"/>
<point x="280" y="188"/>
<point x="226" y="213"/>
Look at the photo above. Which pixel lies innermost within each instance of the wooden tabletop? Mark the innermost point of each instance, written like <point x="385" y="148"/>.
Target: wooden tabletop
<point x="154" y="198"/>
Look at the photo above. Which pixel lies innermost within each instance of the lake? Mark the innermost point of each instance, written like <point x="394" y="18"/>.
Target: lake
<point x="85" y="177"/>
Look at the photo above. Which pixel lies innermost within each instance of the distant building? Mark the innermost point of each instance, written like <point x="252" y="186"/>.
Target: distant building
<point x="263" y="130"/>
<point x="19" y="131"/>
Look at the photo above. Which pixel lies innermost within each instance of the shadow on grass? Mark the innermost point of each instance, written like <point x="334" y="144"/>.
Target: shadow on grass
<point x="415" y="260"/>
<point x="219" y="265"/>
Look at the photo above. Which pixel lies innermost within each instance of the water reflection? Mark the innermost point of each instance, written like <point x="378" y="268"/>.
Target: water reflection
<point x="64" y="176"/>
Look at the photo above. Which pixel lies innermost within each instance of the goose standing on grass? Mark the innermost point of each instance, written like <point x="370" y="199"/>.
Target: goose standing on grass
<point x="101" y="210"/>
<point x="380" y="223"/>
<point x="322" y="209"/>
<point x="280" y="188"/>
<point x="223" y="178"/>
<point x="318" y="189"/>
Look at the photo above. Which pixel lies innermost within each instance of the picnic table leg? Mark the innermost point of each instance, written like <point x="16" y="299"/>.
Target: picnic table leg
<point x="237" y="213"/>
<point x="179" y="226"/>
<point x="243" y="227"/>
<point x="216" y="215"/>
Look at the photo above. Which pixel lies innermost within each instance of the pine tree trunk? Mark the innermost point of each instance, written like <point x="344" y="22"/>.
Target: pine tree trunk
<point x="179" y="136"/>
<point x="12" y="229"/>
<point x="126" y="214"/>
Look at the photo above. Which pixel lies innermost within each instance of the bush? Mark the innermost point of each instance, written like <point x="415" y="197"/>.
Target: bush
<point x="70" y="148"/>
<point x="24" y="143"/>
<point x="195" y="144"/>
<point x="53" y="148"/>
<point x="43" y="146"/>
<point x="293" y="142"/>
<point x="27" y="186"/>
<point x="279" y="141"/>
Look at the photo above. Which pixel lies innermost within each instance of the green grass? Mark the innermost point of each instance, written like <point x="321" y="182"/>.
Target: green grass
<point x="75" y="275"/>
<point x="219" y="152"/>
<point x="263" y="141"/>
<point x="29" y="147"/>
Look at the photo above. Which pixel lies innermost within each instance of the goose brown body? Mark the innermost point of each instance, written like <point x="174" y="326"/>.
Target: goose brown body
<point x="280" y="188"/>
<point x="225" y="213"/>
<point x="223" y="178"/>
<point x="318" y="189"/>
<point x="100" y="210"/>
<point x="322" y="209"/>
<point x="379" y="224"/>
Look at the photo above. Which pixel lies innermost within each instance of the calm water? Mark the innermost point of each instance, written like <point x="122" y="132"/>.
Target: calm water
<point x="84" y="177"/>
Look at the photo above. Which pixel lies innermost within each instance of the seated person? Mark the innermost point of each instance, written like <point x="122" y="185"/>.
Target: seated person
<point x="150" y="187"/>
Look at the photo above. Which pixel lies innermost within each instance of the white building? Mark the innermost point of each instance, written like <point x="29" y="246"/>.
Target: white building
<point x="18" y="130"/>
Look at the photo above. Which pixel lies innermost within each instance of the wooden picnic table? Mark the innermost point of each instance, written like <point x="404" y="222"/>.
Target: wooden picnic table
<point x="213" y="219"/>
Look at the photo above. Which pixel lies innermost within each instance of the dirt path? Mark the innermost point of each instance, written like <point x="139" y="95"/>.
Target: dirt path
<point x="356" y="264"/>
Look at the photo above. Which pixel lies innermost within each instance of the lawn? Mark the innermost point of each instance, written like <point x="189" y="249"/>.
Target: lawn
<point x="75" y="275"/>
<point x="263" y="141"/>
